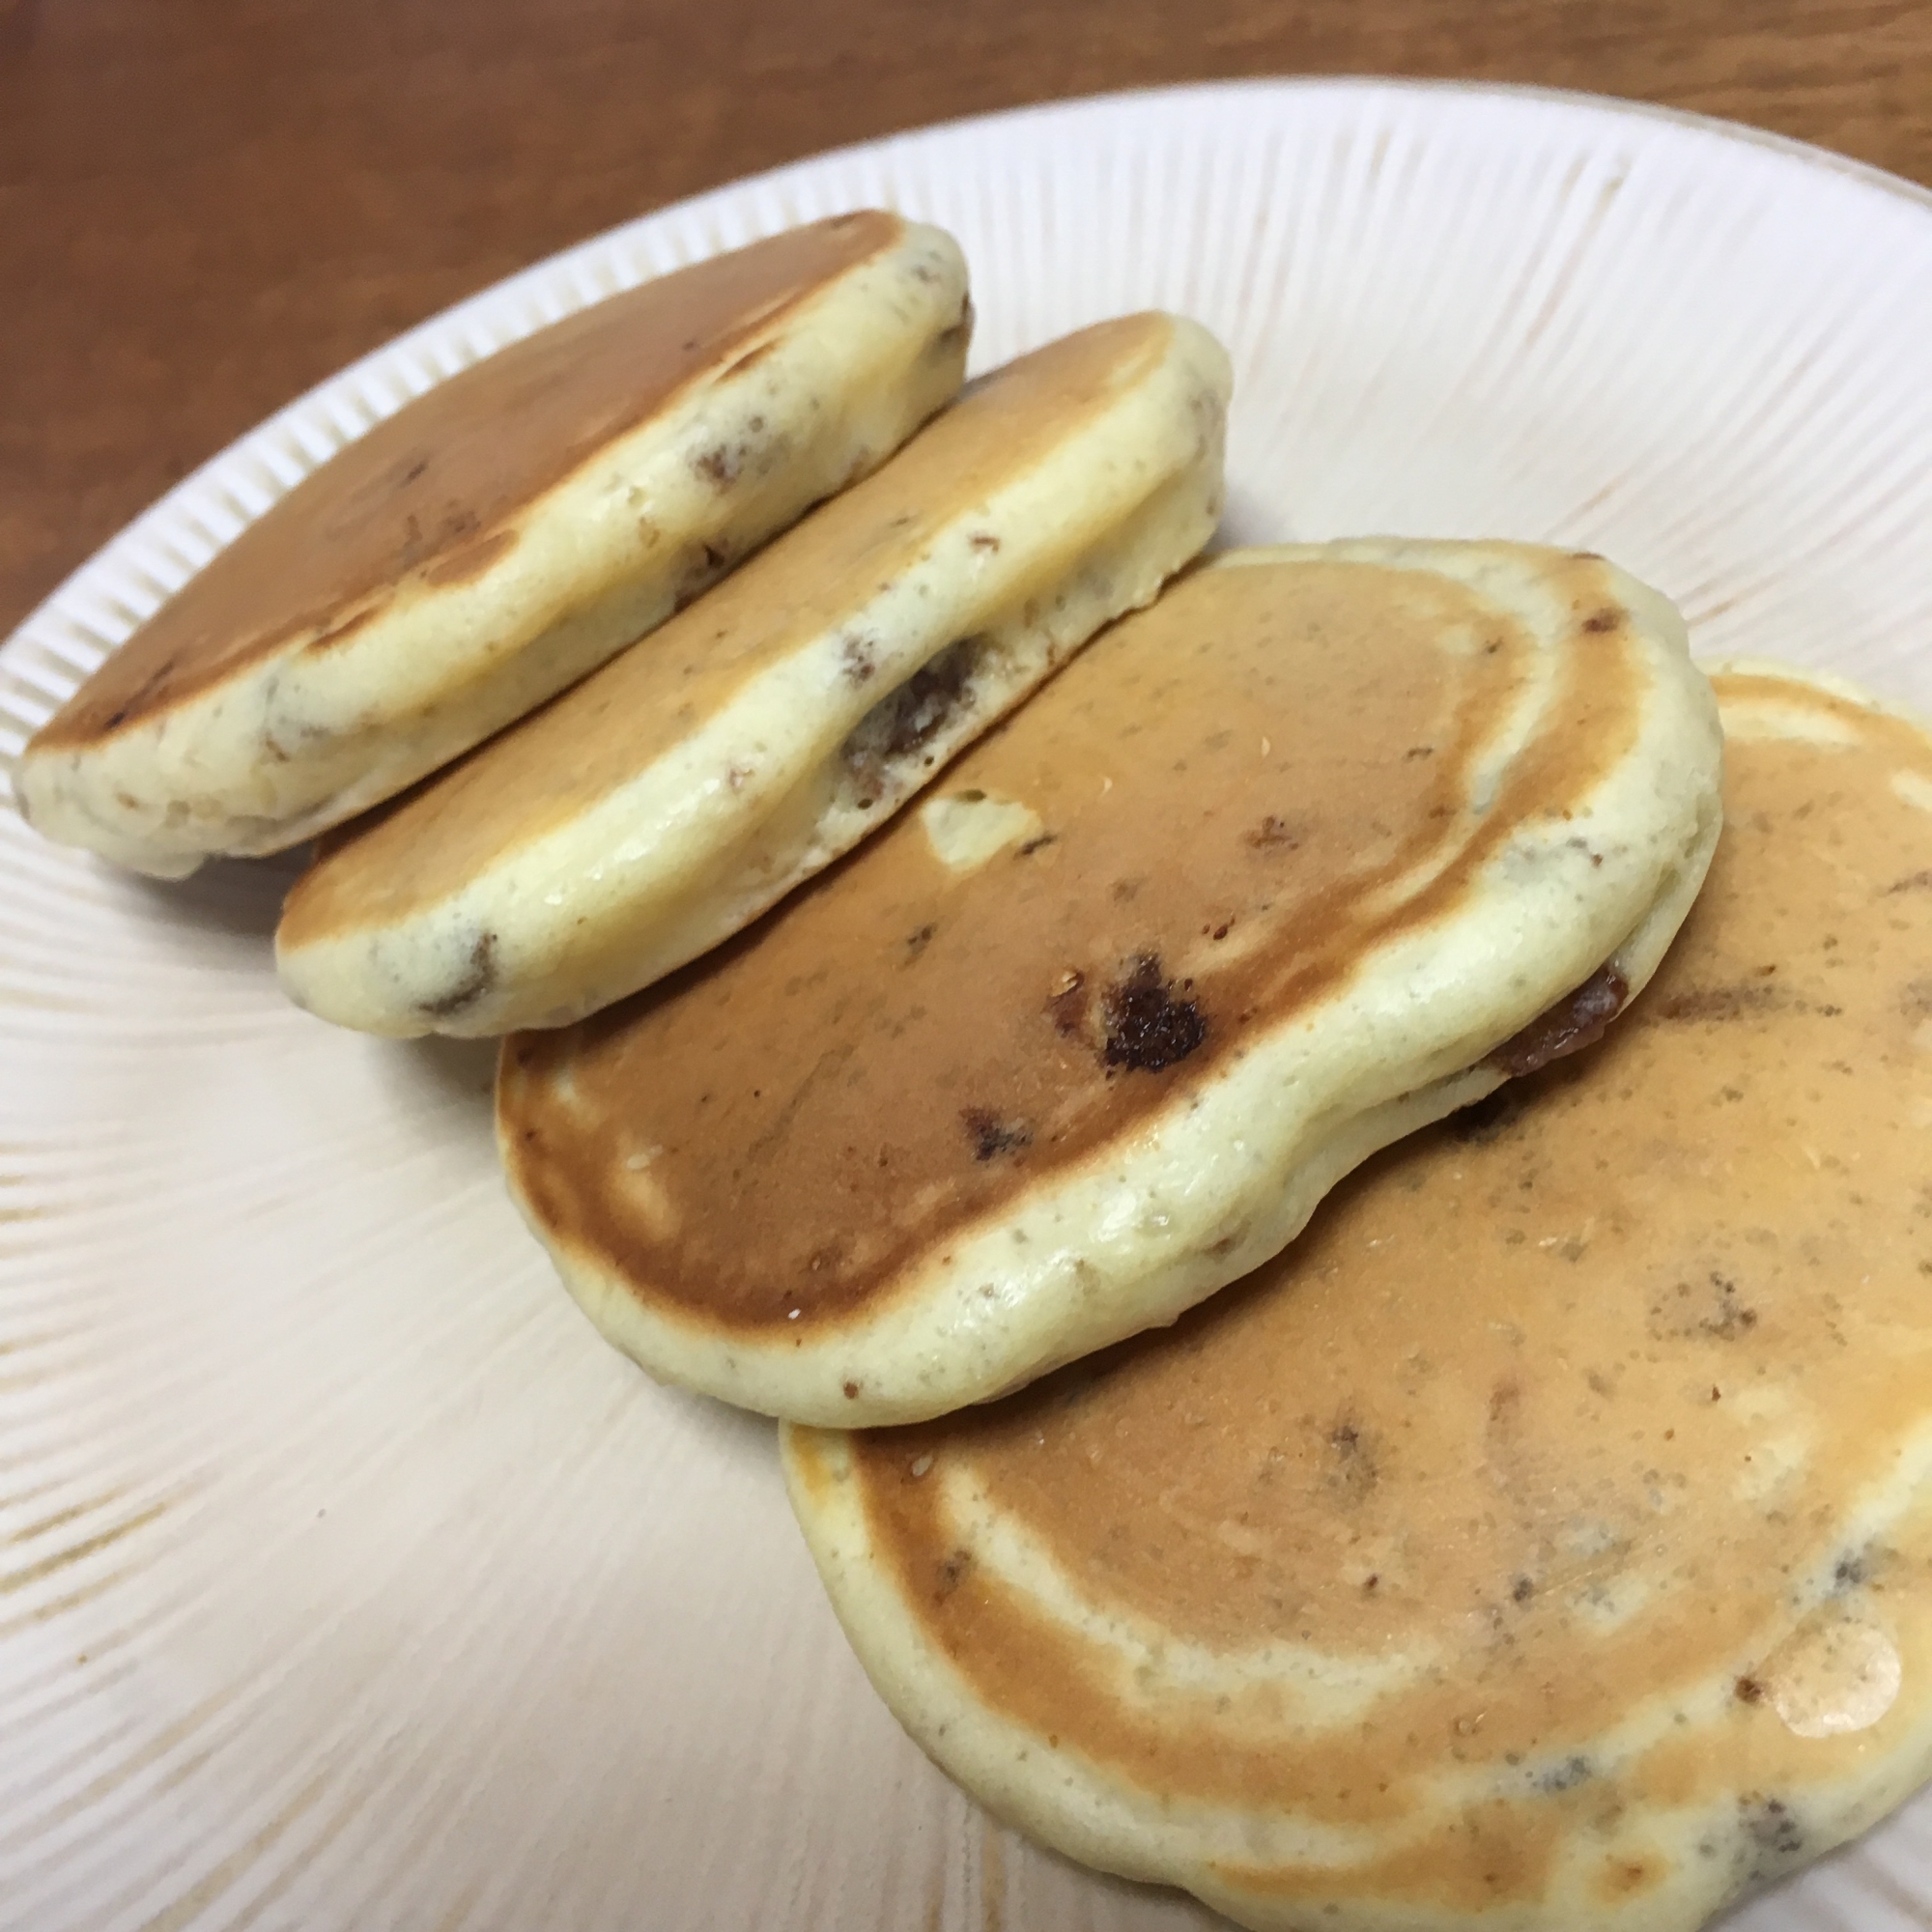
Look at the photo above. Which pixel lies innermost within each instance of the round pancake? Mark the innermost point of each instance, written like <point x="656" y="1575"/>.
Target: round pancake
<point x="688" y="785"/>
<point x="1545" y="1540"/>
<point x="498" y="537"/>
<point x="1276" y="871"/>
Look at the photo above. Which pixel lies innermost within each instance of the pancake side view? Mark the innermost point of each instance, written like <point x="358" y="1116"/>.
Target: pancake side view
<point x="1545" y="1540"/>
<point x="497" y="538"/>
<point x="1327" y="842"/>
<point x="680" y="791"/>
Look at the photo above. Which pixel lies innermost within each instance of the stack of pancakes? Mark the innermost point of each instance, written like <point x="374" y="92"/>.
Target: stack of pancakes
<point x="949" y="941"/>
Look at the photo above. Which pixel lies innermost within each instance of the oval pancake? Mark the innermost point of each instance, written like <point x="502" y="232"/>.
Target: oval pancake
<point x="1287" y="865"/>
<point x="1545" y="1540"/>
<point x="498" y="537"/>
<point x="677" y="793"/>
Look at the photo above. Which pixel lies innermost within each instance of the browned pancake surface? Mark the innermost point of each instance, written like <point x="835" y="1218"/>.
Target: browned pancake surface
<point x="553" y="766"/>
<point x="1569" y="1394"/>
<point x="436" y="489"/>
<point x="898" y="1052"/>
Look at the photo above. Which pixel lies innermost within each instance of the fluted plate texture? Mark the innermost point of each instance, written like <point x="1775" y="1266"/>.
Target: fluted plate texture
<point x="346" y="1578"/>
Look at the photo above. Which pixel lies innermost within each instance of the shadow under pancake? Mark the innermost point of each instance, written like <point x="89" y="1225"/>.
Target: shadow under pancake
<point x="463" y="1071"/>
<point x="1510" y="1109"/>
<point x="241" y="897"/>
<point x="742" y="1435"/>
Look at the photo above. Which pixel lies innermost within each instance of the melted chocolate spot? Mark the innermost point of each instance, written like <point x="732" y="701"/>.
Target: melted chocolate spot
<point x="1567" y="1776"/>
<point x="1147" y="1027"/>
<point x="990" y="1135"/>
<point x="1573" y="1023"/>
<point x="1274" y="832"/>
<point x="474" y="984"/>
<point x="952" y="1572"/>
<point x="721" y="465"/>
<point x="700" y="573"/>
<point x="1356" y="1468"/>
<point x="927" y="699"/>
<point x="907" y="719"/>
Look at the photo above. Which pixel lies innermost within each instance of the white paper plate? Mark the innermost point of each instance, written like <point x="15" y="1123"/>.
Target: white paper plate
<point x="346" y="1578"/>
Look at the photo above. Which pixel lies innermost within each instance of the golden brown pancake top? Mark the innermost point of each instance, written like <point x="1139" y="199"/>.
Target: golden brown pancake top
<point x="436" y="490"/>
<point x="899" y="1052"/>
<point x="1566" y="1395"/>
<point x="586" y="743"/>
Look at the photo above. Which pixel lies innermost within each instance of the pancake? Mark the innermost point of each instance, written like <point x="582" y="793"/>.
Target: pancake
<point x="1323" y="845"/>
<point x="673" y="797"/>
<point x="498" y="537"/>
<point x="1545" y="1540"/>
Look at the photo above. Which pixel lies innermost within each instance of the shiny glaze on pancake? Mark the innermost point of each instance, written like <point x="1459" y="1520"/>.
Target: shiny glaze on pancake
<point x="1586" y="1431"/>
<point x="558" y="762"/>
<point x="435" y="491"/>
<point x="770" y="1139"/>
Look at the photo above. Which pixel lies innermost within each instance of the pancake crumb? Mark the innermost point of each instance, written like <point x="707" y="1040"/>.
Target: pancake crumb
<point x="1068" y="1001"/>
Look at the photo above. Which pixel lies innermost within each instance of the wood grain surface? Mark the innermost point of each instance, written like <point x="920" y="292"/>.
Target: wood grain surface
<point x="206" y="206"/>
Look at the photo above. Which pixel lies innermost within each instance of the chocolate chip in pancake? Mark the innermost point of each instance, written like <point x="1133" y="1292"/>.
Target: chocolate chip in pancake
<point x="1546" y="1537"/>
<point x="499" y="536"/>
<point x="1262" y="880"/>
<point x="678" y="792"/>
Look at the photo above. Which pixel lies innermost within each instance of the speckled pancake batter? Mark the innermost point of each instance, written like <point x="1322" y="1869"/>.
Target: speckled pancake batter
<point x="1293" y="862"/>
<point x="497" y="538"/>
<point x="689" y="784"/>
<point x="1546" y="1541"/>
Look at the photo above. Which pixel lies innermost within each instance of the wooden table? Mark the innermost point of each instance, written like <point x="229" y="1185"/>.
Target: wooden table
<point x="208" y="205"/>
